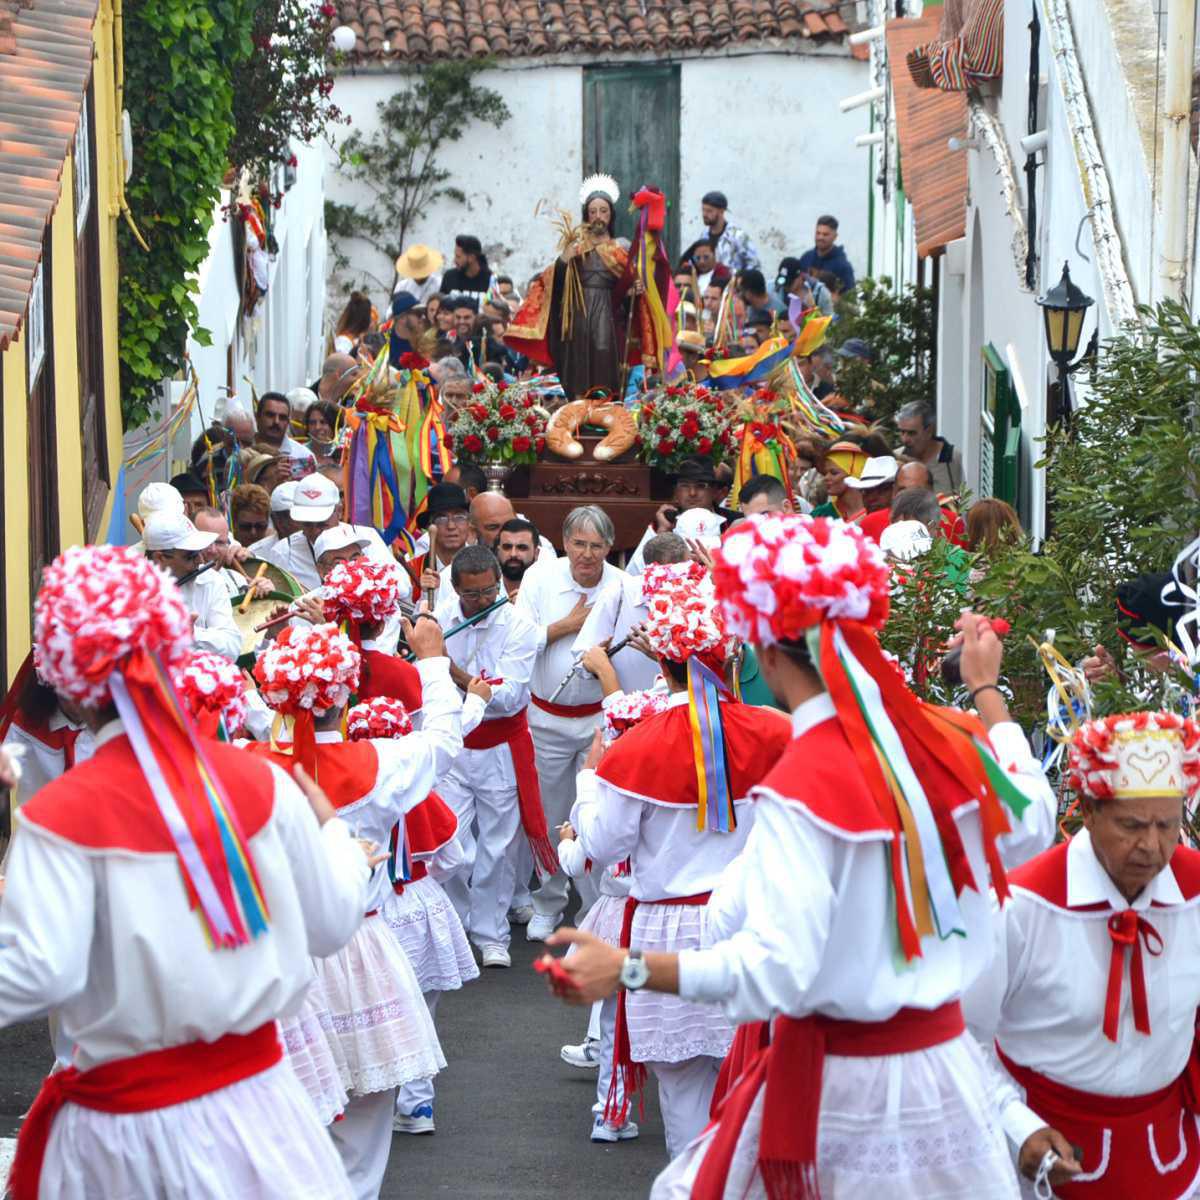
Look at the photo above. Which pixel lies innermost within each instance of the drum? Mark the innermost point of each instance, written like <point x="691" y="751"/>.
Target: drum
<point x="257" y="611"/>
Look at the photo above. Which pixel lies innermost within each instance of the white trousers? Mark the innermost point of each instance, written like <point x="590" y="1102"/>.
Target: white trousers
<point x="685" y="1091"/>
<point x="606" y="1011"/>
<point x="560" y="746"/>
<point x="420" y="1092"/>
<point x="363" y="1138"/>
<point x="481" y="787"/>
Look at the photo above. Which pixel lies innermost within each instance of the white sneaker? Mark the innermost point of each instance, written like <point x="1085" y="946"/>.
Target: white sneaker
<point x="540" y="928"/>
<point x="495" y="955"/>
<point x="420" y="1120"/>
<point x="585" y="1056"/>
<point x="522" y="914"/>
<point x="602" y="1132"/>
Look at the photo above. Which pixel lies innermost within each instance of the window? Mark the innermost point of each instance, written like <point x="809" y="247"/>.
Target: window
<point x="43" y="440"/>
<point x="1000" y="440"/>
<point x="89" y="324"/>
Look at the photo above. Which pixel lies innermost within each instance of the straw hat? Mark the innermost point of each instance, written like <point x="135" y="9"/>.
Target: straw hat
<point x="419" y="262"/>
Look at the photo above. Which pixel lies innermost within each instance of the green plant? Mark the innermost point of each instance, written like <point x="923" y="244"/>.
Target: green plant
<point x="900" y="327"/>
<point x="398" y="163"/>
<point x="179" y="58"/>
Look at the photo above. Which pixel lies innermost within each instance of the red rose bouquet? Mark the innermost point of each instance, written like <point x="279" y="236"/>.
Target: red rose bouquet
<point x="503" y="423"/>
<point x="684" y="420"/>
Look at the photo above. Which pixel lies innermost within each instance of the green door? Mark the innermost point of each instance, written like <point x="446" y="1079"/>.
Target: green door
<point x="631" y="132"/>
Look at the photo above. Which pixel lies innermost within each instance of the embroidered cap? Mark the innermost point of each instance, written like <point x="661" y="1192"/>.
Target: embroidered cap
<point x="1132" y="755"/>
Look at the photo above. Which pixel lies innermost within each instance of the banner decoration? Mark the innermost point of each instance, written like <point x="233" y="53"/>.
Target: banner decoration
<point x="659" y="300"/>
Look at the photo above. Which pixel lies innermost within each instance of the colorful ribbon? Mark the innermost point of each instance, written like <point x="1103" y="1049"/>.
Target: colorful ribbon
<point x="715" y="800"/>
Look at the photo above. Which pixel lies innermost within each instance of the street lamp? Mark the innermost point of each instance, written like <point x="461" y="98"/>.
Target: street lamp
<point x="1063" y="309"/>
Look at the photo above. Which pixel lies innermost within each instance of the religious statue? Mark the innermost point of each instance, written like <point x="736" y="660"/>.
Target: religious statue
<point x="574" y="316"/>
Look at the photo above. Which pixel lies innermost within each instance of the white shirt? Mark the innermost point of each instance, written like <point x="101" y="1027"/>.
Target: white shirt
<point x="574" y="860"/>
<point x="215" y="630"/>
<point x="233" y="583"/>
<point x="422" y="290"/>
<point x="1044" y="996"/>
<point x="503" y="645"/>
<point x="548" y="593"/>
<point x="41" y="764"/>
<point x="295" y="554"/>
<point x="669" y="855"/>
<point x="74" y="922"/>
<point x="259" y="549"/>
<point x="294" y="449"/>
<point x="618" y="608"/>
<point x="1035" y="831"/>
<point x="818" y="923"/>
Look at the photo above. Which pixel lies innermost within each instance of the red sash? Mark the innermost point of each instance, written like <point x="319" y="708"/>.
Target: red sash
<point x="625" y="1071"/>
<point x="748" y="1040"/>
<point x="514" y="732"/>
<point x="566" y="710"/>
<point x="158" y="1079"/>
<point x="1137" y="1145"/>
<point x="791" y="1069"/>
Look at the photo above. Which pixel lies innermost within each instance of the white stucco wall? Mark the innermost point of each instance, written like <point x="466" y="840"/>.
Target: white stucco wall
<point x="767" y="131"/>
<point x="764" y="128"/>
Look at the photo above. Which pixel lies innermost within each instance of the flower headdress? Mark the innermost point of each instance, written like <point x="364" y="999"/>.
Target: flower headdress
<point x="819" y="585"/>
<point x="111" y="626"/>
<point x="213" y="691"/>
<point x="363" y="589"/>
<point x="381" y="717"/>
<point x="1128" y="755"/>
<point x="622" y="712"/>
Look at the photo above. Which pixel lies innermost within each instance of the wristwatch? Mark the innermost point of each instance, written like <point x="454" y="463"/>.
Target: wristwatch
<point x="634" y="972"/>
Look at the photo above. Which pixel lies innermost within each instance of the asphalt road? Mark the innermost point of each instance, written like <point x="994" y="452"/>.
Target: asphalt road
<point x="512" y="1118"/>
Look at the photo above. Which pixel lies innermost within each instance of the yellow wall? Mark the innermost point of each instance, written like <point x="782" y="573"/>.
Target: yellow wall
<point x="16" y="508"/>
<point x="69" y="443"/>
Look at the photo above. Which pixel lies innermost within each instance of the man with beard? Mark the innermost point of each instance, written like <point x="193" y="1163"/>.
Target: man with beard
<point x="517" y="550"/>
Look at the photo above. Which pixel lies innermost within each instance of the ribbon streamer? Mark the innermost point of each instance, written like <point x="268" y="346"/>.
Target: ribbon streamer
<point x="714" y="810"/>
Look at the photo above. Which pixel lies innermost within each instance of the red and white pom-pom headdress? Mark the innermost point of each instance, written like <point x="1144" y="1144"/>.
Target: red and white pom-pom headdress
<point x="628" y="709"/>
<point x="1140" y="754"/>
<point x="363" y="589"/>
<point x="111" y="627"/>
<point x="308" y="670"/>
<point x="213" y="690"/>
<point x="683" y="618"/>
<point x="820" y="583"/>
<point x="381" y="717"/>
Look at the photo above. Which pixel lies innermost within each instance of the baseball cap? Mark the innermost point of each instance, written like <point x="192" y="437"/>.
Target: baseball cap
<point x="876" y="473"/>
<point x="173" y="531"/>
<point x="338" y="538"/>
<point x="856" y="348"/>
<point x="314" y="499"/>
<point x="283" y="495"/>
<point x="158" y="498"/>
<point x="301" y="399"/>
<point x="402" y="302"/>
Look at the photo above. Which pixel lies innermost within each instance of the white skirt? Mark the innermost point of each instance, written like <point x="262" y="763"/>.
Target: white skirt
<point x="664" y="1028"/>
<point x="604" y="919"/>
<point x="257" y="1139"/>
<point x="313" y="1053"/>
<point x="906" y="1126"/>
<point x="431" y="935"/>
<point x="382" y="1027"/>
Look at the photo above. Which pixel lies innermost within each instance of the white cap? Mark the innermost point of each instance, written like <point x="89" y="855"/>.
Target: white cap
<point x="338" y="538"/>
<point x="699" y="524"/>
<point x="173" y="531"/>
<point x="159" y="498"/>
<point x="314" y="499"/>
<point x="876" y="473"/>
<point x="282" y="496"/>
<point x="300" y="399"/>
<point x="905" y="540"/>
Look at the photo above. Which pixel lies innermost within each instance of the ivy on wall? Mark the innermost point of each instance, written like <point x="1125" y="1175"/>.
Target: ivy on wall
<point x="179" y="62"/>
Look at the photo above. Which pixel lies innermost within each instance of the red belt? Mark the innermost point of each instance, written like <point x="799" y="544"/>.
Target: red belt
<point x="565" y="710"/>
<point x="419" y="871"/>
<point x="144" y="1082"/>
<point x="791" y="1068"/>
<point x="1137" y="1129"/>
<point x="625" y="1071"/>
<point x="514" y="732"/>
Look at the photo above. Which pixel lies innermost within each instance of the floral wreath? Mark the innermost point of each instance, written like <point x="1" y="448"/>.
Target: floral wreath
<point x="502" y="423"/>
<point x="381" y="717"/>
<point x="362" y="589"/>
<point x="97" y="607"/>
<point x="309" y="669"/>
<point x="208" y="684"/>
<point x="681" y="421"/>
<point x="778" y="575"/>
<point x="1095" y="759"/>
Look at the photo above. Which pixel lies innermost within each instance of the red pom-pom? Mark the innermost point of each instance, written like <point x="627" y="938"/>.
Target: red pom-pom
<point x="381" y="717"/>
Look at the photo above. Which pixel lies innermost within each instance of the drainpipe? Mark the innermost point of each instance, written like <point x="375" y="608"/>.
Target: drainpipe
<point x="1177" y="147"/>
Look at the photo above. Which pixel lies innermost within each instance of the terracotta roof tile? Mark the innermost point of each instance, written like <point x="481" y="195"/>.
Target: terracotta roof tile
<point x="935" y="179"/>
<point x="421" y="30"/>
<point x="45" y="61"/>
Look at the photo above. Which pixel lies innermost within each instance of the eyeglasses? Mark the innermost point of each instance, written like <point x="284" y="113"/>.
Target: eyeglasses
<point x="454" y="518"/>
<point x="588" y="547"/>
<point x="480" y="593"/>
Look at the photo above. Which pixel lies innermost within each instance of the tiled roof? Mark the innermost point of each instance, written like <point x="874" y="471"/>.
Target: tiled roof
<point x="424" y="30"/>
<point x="935" y="178"/>
<point x="45" y="62"/>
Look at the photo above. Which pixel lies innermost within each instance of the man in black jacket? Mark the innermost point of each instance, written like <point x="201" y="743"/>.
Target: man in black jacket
<point x="470" y="272"/>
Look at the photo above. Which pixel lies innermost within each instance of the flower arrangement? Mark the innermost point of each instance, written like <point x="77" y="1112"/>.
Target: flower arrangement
<point x="503" y="423"/>
<point x="684" y="420"/>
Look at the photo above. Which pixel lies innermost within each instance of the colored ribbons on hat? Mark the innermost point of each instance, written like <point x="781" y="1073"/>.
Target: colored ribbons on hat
<point x="714" y="810"/>
<point x="218" y="870"/>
